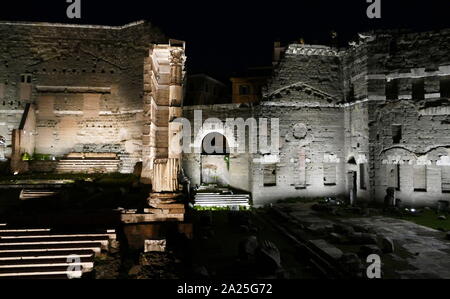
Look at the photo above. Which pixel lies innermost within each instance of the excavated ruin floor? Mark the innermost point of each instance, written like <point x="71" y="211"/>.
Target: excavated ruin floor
<point x="420" y="252"/>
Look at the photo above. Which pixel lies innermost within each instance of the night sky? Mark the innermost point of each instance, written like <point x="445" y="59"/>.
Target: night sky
<point x="224" y="37"/>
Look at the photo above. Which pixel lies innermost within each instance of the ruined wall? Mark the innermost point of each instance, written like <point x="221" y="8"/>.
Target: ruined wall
<point x="408" y="114"/>
<point x="86" y="82"/>
<point x="239" y="169"/>
<point x="305" y="95"/>
<point x="311" y="159"/>
<point x="317" y="66"/>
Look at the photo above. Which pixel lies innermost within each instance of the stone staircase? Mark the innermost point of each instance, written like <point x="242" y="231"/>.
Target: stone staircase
<point x="45" y="253"/>
<point x="76" y="165"/>
<point x="221" y="197"/>
<point x="28" y="194"/>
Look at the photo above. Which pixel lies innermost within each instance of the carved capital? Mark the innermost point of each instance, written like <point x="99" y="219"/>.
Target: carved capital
<point x="177" y="57"/>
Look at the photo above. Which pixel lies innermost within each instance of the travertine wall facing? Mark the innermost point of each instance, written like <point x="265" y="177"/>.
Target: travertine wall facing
<point x="86" y="81"/>
<point x="407" y="58"/>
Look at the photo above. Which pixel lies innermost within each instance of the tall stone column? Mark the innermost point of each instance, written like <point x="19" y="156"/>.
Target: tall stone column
<point x="175" y="102"/>
<point x="162" y="154"/>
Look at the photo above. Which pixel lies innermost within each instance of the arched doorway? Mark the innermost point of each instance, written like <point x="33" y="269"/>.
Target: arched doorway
<point x="215" y="160"/>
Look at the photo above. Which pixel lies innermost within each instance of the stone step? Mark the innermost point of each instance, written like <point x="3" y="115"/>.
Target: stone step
<point x="221" y="199"/>
<point x="39" y="272"/>
<point x="83" y="163"/>
<point x="24" y="248"/>
<point x="45" y="235"/>
<point x="223" y="196"/>
<point x="89" y="161"/>
<point x="104" y="241"/>
<point x="35" y="194"/>
<point x="165" y="211"/>
<point x="26" y="230"/>
<point x="149" y="218"/>
<point x="32" y="255"/>
<point x="86" y="262"/>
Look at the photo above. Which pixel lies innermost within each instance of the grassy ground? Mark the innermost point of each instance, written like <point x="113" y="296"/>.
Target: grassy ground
<point x="429" y="219"/>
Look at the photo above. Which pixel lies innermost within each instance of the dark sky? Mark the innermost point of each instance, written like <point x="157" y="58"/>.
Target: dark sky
<point x="227" y="36"/>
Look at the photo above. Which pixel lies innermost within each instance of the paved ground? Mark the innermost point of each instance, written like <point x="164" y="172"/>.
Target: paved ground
<point x="430" y="252"/>
<point x="421" y="252"/>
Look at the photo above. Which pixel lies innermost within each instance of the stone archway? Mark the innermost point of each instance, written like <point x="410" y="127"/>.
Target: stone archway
<point x="215" y="160"/>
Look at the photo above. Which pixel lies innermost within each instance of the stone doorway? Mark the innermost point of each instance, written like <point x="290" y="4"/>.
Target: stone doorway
<point x="215" y="160"/>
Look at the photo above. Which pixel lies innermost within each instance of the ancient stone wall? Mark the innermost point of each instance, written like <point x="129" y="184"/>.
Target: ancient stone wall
<point x="407" y="116"/>
<point x="86" y="82"/>
<point x="239" y="166"/>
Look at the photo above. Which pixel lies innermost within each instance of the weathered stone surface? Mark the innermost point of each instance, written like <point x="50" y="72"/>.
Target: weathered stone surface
<point x="343" y="229"/>
<point x="268" y="257"/>
<point x="367" y="250"/>
<point x="337" y="238"/>
<point x="248" y="246"/>
<point x="363" y="238"/>
<point x="155" y="246"/>
<point x="328" y="249"/>
<point x="387" y="245"/>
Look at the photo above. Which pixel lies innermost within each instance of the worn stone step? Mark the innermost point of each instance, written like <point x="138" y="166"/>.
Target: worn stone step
<point x="43" y="253"/>
<point x="24" y="230"/>
<point x="165" y="211"/>
<point x="148" y="218"/>
<point x="39" y="271"/>
<point x="86" y="262"/>
<point x="35" y="193"/>
<point x="59" y="236"/>
<point x="104" y="241"/>
<point x="51" y="240"/>
<point x="8" y="248"/>
<point x="45" y="235"/>
<point x="167" y="206"/>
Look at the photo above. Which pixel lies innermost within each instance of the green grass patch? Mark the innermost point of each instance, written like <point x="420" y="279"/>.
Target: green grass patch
<point x="429" y="219"/>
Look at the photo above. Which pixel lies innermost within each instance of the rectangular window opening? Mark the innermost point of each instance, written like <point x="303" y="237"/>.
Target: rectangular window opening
<point x="445" y="87"/>
<point x="392" y="90"/>
<point x="396" y="134"/>
<point x="420" y="178"/>
<point x="362" y="176"/>
<point x="445" y="179"/>
<point x="329" y="174"/>
<point x="270" y="175"/>
<point x="418" y="89"/>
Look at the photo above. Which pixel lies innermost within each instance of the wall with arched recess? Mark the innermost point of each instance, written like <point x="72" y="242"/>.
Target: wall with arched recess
<point x="86" y="81"/>
<point x="239" y="163"/>
<point x="436" y="161"/>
